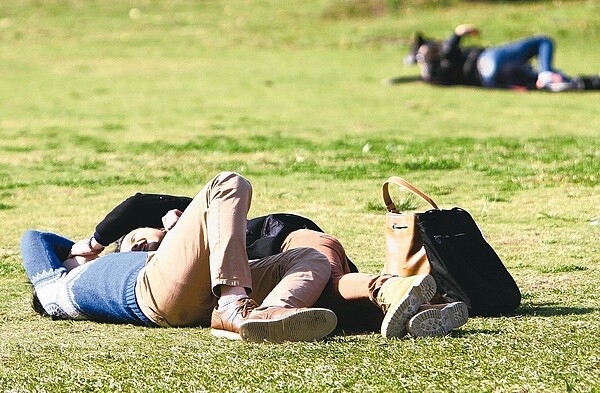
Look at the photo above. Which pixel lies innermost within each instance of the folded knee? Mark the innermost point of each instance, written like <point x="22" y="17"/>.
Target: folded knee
<point x="233" y="180"/>
<point x="311" y="238"/>
<point x="544" y="40"/>
<point x="30" y="235"/>
<point x="311" y="260"/>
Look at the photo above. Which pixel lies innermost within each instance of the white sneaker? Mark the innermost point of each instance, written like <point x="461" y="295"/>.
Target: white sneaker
<point x="400" y="298"/>
<point x="438" y="321"/>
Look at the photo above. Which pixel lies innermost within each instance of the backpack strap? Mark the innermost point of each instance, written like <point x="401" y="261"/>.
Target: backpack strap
<point x="389" y="204"/>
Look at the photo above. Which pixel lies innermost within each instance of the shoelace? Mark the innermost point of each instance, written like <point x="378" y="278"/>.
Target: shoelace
<point x="245" y="307"/>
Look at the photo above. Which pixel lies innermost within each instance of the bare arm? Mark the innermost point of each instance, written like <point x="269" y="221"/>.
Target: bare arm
<point x="466" y="29"/>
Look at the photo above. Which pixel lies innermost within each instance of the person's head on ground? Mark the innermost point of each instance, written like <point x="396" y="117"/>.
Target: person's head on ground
<point x="418" y="40"/>
<point x="426" y="53"/>
<point x="140" y="239"/>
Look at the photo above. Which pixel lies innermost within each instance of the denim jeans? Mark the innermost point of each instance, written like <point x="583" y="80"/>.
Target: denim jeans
<point x="495" y="64"/>
<point x="101" y="290"/>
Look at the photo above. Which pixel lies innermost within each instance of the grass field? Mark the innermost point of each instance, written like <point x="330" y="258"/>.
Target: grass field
<point x="101" y="99"/>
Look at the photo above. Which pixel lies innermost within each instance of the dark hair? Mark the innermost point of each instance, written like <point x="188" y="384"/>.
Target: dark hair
<point x="118" y="243"/>
<point x="427" y="53"/>
<point x="418" y="40"/>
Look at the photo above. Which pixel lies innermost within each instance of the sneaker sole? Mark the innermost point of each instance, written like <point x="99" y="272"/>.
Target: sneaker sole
<point x="305" y="325"/>
<point x="394" y="322"/>
<point x="434" y="322"/>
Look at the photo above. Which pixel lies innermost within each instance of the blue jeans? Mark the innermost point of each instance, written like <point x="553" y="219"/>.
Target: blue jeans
<point x="101" y="290"/>
<point x="509" y="64"/>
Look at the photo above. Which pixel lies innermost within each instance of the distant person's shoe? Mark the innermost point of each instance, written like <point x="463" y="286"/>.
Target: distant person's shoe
<point x="546" y="77"/>
<point x="557" y="87"/>
<point x="555" y="82"/>
<point x="400" y="298"/>
<point x="438" y="320"/>
<point x="279" y="324"/>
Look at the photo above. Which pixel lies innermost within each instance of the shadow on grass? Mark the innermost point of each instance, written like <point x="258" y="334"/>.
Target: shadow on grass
<point x="551" y="309"/>
<point x="400" y="80"/>
<point x="465" y="332"/>
<point x="539" y="310"/>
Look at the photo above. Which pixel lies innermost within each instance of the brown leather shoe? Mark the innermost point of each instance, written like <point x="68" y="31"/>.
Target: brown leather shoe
<point x="278" y="324"/>
<point x="226" y="322"/>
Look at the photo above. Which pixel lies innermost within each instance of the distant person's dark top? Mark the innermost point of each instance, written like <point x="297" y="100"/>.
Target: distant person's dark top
<point x="458" y="66"/>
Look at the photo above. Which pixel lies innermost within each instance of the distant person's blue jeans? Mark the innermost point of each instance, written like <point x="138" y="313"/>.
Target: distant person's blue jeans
<point x="495" y="63"/>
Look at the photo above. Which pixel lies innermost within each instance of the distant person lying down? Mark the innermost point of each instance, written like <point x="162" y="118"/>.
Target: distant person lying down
<point x="505" y="66"/>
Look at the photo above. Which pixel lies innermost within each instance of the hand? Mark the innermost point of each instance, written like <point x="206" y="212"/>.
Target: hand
<point x="86" y="247"/>
<point x="78" y="260"/>
<point x="170" y="219"/>
<point x="466" y="29"/>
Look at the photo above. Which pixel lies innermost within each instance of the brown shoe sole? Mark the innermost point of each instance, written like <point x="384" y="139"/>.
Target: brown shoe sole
<point x="305" y="325"/>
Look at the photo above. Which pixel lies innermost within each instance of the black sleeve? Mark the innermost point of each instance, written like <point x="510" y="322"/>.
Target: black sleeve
<point x="451" y="46"/>
<point x="139" y="210"/>
<point x="451" y="61"/>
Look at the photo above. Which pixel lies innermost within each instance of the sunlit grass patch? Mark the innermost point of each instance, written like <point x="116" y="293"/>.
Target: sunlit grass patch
<point x="8" y="269"/>
<point x="113" y="127"/>
<point x="17" y="149"/>
<point x="563" y="269"/>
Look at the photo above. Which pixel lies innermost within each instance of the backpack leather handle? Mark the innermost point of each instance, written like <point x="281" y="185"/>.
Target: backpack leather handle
<point x="389" y="204"/>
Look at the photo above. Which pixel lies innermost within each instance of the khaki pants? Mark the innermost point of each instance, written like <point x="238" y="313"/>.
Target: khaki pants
<point x="207" y="248"/>
<point x="350" y="295"/>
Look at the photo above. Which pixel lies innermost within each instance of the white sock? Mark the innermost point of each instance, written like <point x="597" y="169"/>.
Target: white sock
<point x="227" y="300"/>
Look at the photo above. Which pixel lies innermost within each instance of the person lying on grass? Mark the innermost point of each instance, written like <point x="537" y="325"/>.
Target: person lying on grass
<point x="361" y="301"/>
<point x="199" y="275"/>
<point x="504" y="66"/>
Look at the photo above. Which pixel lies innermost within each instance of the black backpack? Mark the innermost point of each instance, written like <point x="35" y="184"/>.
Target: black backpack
<point x="464" y="265"/>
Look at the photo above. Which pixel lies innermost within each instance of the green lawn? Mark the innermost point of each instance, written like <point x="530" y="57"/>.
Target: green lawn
<point x="101" y="99"/>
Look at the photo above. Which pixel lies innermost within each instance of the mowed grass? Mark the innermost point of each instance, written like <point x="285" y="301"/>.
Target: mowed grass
<point x="101" y="99"/>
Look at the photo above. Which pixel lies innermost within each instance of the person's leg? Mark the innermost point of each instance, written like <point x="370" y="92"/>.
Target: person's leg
<point x="354" y="303"/>
<point x="357" y="298"/>
<point x="494" y="61"/>
<point x="206" y="249"/>
<point x="375" y="302"/>
<point x="206" y="252"/>
<point x="294" y="278"/>
<point x="521" y="51"/>
<point x="286" y="287"/>
<point x="545" y="53"/>
<point x="41" y="253"/>
<point x="342" y="284"/>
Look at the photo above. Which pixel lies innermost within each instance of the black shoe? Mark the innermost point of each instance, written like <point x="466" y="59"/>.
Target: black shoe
<point x="587" y="82"/>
